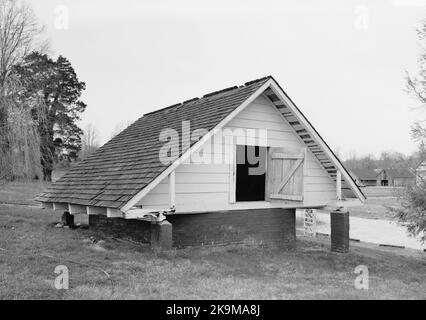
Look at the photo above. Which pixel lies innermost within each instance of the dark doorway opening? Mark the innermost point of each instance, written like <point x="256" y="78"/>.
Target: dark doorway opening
<point x="251" y="173"/>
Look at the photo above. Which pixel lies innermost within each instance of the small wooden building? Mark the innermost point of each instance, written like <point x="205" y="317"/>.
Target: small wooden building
<point x="399" y="177"/>
<point x="367" y="177"/>
<point x="209" y="192"/>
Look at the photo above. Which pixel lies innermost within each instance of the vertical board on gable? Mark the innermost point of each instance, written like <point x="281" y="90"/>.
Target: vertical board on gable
<point x="205" y="187"/>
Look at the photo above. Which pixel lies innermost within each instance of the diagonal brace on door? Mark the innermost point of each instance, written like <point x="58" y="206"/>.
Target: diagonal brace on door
<point x="289" y="174"/>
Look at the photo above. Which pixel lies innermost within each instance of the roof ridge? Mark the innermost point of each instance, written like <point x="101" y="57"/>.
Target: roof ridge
<point x="207" y="95"/>
<point x="211" y="94"/>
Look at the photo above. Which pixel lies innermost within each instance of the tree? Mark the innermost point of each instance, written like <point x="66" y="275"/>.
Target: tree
<point x="416" y="85"/>
<point x="413" y="211"/>
<point x="365" y="162"/>
<point x="90" y="141"/>
<point x="53" y="92"/>
<point x="387" y="160"/>
<point x="19" y="33"/>
<point x="393" y="159"/>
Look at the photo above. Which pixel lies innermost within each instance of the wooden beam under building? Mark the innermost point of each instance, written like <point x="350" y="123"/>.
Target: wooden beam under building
<point x="90" y="210"/>
<point x="114" y="213"/>
<point x="60" y="206"/>
<point x="339" y="185"/>
<point x="172" y="189"/>
<point x="76" y="209"/>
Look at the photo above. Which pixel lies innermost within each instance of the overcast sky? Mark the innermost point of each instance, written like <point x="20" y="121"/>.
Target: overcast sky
<point x="342" y="62"/>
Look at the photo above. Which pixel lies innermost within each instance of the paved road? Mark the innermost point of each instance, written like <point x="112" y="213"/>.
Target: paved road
<point x="369" y="230"/>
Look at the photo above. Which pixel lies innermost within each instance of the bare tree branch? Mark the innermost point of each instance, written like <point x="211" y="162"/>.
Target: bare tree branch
<point x="20" y="33"/>
<point x="90" y="141"/>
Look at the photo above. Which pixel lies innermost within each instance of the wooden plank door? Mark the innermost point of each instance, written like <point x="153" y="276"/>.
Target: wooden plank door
<point x="285" y="174"/>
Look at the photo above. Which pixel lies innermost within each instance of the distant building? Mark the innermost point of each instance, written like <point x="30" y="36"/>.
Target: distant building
<point x="399" y="177"/>
<point x="367" y="177"/>
<point x="385" y="177"/>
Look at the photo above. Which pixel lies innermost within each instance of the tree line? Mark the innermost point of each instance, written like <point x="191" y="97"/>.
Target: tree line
<point x="386" y="160"/>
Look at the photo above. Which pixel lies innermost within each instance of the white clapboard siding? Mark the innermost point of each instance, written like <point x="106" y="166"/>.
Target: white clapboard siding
<point x="197" y="187"/>
<point x="205" y="187"/>
<point x="316" y="180"/>
<point x="203" y="168"/>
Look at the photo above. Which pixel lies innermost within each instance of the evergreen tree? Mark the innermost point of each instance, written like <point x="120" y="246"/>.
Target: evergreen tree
<point x="53" y="91"/>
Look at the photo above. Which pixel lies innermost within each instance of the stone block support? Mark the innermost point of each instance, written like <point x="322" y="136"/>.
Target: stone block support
<point x="67" y="219"/>
<point x="161" y="235"/>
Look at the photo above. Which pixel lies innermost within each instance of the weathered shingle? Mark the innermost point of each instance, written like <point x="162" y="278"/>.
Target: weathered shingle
<point x="118" y="170"/>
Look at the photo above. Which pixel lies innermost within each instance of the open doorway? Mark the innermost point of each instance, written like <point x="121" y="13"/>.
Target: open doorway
<point x="250" y="173"/>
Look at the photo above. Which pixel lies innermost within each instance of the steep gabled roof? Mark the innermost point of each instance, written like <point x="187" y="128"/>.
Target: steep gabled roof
<point x="123" y="171"/>
<point x="122" y="167"/>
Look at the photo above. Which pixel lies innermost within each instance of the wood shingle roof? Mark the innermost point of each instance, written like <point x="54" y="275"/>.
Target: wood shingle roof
<point x="117" y="171"/>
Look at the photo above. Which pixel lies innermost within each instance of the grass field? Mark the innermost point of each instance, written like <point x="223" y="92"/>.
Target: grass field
<point x="376" y="208"/>
<point x="31" y="247"/>
<point x="21" y="192"/>
<point x="24" y="191"/>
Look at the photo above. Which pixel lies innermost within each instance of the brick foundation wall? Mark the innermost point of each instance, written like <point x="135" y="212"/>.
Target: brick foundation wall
<point x="262" y="227"/>
<point x="339" y="225"/>
<point x="134" y="229"/>
<point x="267" y="226"/>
